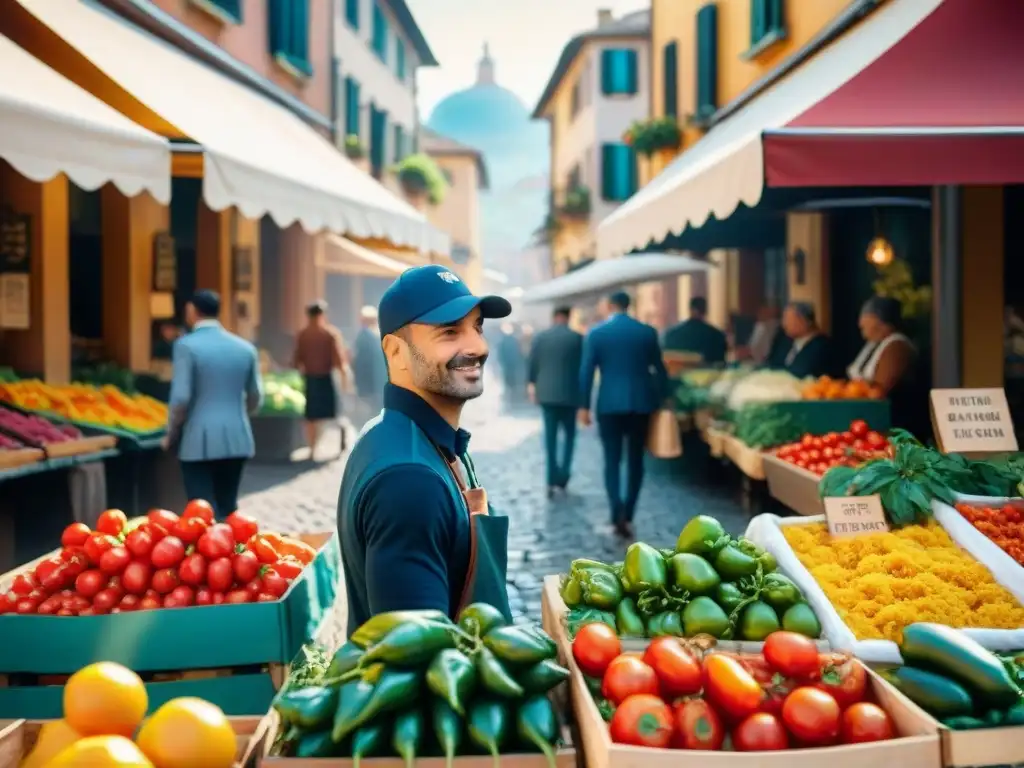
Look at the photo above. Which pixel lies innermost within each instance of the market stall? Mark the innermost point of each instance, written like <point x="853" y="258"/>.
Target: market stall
<point x="277" y="428"/>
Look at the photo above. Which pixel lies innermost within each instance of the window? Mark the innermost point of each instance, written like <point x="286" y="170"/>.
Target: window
<point x="351" y="107"/>
<point x="380" y="32"/>
<point x="227" y="10"/>
<point x="707" y="61"/>
<point x="766" y="22"/>
<point x="670" y="70"/>
<point x="400" y="59"/>
<point x="399" y="148"/>
<point x="288" y="23"/>
<point x="619" y="72"/>
<point x="352" y="13"/>
<point x="574" y="105"/>
<point x="618" y="172"/>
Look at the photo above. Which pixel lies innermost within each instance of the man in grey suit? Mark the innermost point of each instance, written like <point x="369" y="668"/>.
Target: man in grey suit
<point x="553" y="383"/>
<point x="634" y="384"/>
<point x="216" y="385"/>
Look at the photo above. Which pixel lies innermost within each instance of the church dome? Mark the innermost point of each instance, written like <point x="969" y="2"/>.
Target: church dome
<point x="495" y="121"/>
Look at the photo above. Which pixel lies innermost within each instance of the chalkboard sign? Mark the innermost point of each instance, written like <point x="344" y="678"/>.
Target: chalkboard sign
<point x="15" y="242"/>
<point x="241" y="259"/>
<point x="165" y="263"/>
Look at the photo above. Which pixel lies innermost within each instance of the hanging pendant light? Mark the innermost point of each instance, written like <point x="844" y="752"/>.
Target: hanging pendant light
<point x="880" y="252"/>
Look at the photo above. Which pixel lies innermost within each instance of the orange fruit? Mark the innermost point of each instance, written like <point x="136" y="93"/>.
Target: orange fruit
<point x="101" y="752"/>
<point x="188" y="733"/>
<point x="105" y="699"/>
<point x="54" y="737"/>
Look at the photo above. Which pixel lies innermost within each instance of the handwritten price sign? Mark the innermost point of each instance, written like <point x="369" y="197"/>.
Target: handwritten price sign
<point x="855" y="516"/>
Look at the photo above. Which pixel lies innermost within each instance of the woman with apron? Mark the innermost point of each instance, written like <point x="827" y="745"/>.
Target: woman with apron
<point x="888" y="360"/>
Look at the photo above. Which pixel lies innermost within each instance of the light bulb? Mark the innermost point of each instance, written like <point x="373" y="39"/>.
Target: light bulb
<point x="880" y="252"/>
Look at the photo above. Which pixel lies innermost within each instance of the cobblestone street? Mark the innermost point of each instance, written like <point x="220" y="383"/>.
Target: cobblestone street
<point x="545" y="535"/>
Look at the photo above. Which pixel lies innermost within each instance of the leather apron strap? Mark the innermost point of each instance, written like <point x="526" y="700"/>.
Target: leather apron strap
<point x="475" y="498"/>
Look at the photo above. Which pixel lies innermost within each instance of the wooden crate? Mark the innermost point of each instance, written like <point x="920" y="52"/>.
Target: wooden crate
<point x="80" y="446"/>
<point x="748" y="460"/>
<point x="19" y="457"/>
<point x="918" y="746"/>
<point x="715" y="438"/>
<point x="794" y="486"/>
<point x="17" y="737"/>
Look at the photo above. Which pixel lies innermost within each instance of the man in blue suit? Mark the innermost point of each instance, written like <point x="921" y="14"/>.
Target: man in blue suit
<point x="216" y="385"/>
<point x="553" y="380"/>
<point x="634" y="384"/>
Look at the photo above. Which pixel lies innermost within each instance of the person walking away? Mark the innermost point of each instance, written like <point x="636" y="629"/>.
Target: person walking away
<point x="413" y="521"/>
<point x="634" y="383"/>
<point x="553" y="381"/>
<point x="319" y="352"/>
<point x="216" y="384"/>
<point x="810" y="353"/>
<point x="697" y="335"/>
<point x="368" y="367"/>
<point x="510" y="360"/>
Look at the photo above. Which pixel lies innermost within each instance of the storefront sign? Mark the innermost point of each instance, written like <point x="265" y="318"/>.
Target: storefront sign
<point x="15" y="302"/>
<point x="165" y="263"/>
<point x="855" y="516"/>
<point x="15" y="242"/>
<point x="241" y="259"/>
<point x="972" y="421"/>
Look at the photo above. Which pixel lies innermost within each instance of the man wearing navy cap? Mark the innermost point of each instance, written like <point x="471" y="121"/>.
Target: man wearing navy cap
<point x="414" y="523"/>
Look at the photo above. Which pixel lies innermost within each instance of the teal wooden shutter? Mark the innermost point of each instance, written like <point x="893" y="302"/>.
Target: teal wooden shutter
<point x="707" y="60"/>
<point x="351" y="107"/>
<point x="277" y="26"/>
<point x="352" y="13"/>
<point x="670" y="76"/>
<point x="619" y="71"/>
<point x="758" y="27"/>
<point x="399" y="149"/>
<point x="400" y="59"/>
<point x="288" y="30"/>
<point x="378" y="138"/>
<point x="632" y="72"/>
<point x="232" y="9"/>
<point x="380" y="32"/>
<point x="618" y="172"/>
<point x="607" y="73"/>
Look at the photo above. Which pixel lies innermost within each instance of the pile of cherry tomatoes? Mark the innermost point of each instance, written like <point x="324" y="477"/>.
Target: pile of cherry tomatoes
<point x="819" y="453"/>
<point x="160" y="561"/>
<point x="674" y="697"/>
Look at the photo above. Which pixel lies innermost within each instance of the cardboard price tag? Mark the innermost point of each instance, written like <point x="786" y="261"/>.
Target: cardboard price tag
<point x="855" y="516"/>
<point x="972" y="421"/>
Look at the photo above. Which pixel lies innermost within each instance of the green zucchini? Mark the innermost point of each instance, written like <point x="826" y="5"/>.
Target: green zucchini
<point x="952" y="653"/>
<point x="933" y="693"/>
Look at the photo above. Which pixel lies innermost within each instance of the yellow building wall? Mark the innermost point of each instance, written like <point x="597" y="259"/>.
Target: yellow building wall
<point x="459" y="213"/>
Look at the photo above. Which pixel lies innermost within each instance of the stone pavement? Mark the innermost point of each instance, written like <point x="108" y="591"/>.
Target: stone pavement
<point x="545" y="536"/>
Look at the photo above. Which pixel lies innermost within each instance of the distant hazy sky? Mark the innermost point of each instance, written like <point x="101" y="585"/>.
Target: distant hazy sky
<point x="525" y="36"/>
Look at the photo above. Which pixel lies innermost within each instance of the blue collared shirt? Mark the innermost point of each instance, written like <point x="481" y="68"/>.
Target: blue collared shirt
<point x="404" y="531"/>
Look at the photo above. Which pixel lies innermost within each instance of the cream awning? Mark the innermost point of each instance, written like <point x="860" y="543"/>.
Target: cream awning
<point x="258" y="156"/>
<point x="342" y="256"/>
<point x="726" y="167"/>
<point x="605" y="275"/>
<point x="48" y="125"/>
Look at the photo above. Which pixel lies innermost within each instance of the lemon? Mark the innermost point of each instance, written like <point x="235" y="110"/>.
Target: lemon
<point x="105" y="699"/>
<point x="188" y="733"/>
<point x="101" y="752"/>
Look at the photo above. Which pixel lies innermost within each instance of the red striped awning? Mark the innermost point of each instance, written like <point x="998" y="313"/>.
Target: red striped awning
<point x="945" y="105"/>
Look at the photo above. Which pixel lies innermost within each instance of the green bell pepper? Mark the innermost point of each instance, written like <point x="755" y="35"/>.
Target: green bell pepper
<point x="644" y="567"/>
<point x="628" y="622"/>
<point x="601" y="589"/>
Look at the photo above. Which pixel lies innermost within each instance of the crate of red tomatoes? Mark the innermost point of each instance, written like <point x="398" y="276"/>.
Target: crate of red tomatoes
<point x="793" y="470"/>
<point x="197" y="606"/>
<point x="681" y="702"/>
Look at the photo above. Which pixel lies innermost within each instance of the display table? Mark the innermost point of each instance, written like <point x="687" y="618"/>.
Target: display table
<point x="37" y="501"/>
<point x="277" y="437"/>
<point x="145" y="477"/>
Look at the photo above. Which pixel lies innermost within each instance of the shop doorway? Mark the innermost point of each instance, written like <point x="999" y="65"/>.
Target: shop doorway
<point x="85" y="272"/>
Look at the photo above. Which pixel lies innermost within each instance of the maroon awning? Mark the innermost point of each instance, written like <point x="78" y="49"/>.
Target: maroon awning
<point x="945" y="105"/>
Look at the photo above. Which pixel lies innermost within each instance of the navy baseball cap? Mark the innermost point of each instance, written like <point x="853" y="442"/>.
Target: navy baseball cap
<point x="433" y="295"/>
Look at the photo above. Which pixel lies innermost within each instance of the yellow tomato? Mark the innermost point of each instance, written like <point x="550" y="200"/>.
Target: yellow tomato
<point x="101" y="752"/>
<point x="105" y="698"/>
<point x="188" y="733"/>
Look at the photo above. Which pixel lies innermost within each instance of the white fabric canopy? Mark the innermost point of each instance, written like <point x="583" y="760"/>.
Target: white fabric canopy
<point x="48" y="125"/>
<point x="726" y="167"/>
<point x="346" y="257"/>
<point x="604" y="275"/>
<point x="258" y="156"/>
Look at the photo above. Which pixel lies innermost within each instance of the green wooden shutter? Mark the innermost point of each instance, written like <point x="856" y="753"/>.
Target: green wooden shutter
<point x="618" y="172"/>
<point x="400" y="59"/>
<point x="670" y="70"/>
<point x="300" y="34"/>
<point x="277" y="26"/>
<point x="378" y="138"/>
<point x="352" y="13"/>
<point x="607" y="71"/>
<point x="757" y="21"/>
<point x="351" y="107"/>
<point x="632" y="75"/>
<point x="380" y="32"/>
<point x="288" y="30"/>
<point x="707" y="60"/>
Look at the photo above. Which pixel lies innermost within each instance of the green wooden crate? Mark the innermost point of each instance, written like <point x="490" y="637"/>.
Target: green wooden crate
<point x="200" y="637"/>
<point x="821" y="416"/>
<point x="246" y="694"/>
